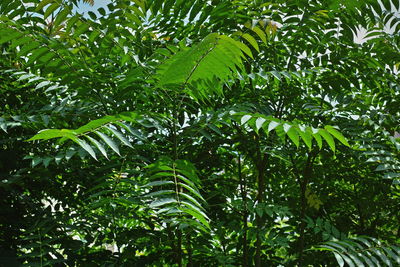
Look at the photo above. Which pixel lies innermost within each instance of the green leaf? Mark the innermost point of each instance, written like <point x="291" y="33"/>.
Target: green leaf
<point x="108" y="141"/>
<point x="186" y="180"/>
<point x="62" y="16"/>
<point x="12" y="35"/>
<point x="204" y="66"/>
<point x="392" y="254"/>
<point x="96" y="124"/>
<point x="328" y="138"/>
<point x="318" y="138"/>
<point x="50" y="10"/>
<point x="120" y="136"/>
<point x="305" y="134"/>
<point x="160" y="193"/>
<point x="348" y="260"/>
<point x="272" y="125"/>
<point x="339" y="259"/>
<point x="293" y="135"/>
<point x="98" y="145"/>
<point x="81" y="29"/>
<point x="85" y="146"/>
<point x="251" y="40"/>
<point x="381" y="256"/>
<point x="158" y="183"/>
<point x="260" y="34"/>
<point x="337" y="134"/>
<point x="52" y="133"/>
<point x="162" y="201"/>
<point x="192" y="190"/>
<point x="197" y="216"/>
<point x="42" y="84"/>
<point x="245" y="119"/>
<point x="259" y="122"/>
<point x="276" y="74"/>
<point x="192" y="199"/>
<point x="43" y="3"/>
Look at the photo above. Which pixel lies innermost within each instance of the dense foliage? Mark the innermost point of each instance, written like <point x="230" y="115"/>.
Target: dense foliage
<point x="200" y="133"/>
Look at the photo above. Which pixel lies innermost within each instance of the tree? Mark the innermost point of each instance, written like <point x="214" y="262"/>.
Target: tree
<point x="199" y="133"/>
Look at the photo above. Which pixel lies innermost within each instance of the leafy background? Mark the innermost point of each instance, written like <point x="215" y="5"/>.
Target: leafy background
<point x="199" y="133"/>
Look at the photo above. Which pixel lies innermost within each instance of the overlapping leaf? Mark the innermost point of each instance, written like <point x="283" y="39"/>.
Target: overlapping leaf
<point x="210" y="62"/>
<point x="175" y="192"/>
<point x="362" y="251"/>
<point x="100" y="133"/>
<point x="294" y="131"/>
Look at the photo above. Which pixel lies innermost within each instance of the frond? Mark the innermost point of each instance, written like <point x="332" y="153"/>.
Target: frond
<point x="175" y="194"/>
<point x="362" y="251"/>
<point x="210" y="62"/>
<point x="295" y="131"/>
<point x="97" y="134"/>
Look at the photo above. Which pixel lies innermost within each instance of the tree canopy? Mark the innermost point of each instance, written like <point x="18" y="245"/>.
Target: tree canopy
<point x="200" y="133"/>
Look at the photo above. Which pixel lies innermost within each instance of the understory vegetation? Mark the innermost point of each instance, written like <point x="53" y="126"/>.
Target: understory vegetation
<point x="200" y="133"/>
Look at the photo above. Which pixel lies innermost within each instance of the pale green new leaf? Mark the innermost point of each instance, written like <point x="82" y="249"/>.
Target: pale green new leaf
<point x="251" y="40"/>
<point x="52" y="133"/>
<point x="215" y="59"/>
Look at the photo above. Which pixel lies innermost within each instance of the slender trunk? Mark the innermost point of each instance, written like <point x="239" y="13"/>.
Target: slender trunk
<point x="243" y="192"/>
<point x="171" y="238"/>
<point x="261" y="166"/>
<point x="303" y="203"/>
<point x="189" y="251"/>
<point x="178" y="233"/>
<point x="179" y="248"/>
<point x="259" y="221"/>
<point x="303" y="182"/>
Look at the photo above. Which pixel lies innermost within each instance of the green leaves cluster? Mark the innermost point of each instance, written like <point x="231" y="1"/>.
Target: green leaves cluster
<point x="362" y="251"/>
<point x="293" y="130"/>
<point x="175" y="192"/>
<point x="204" y="130"/>
<point x="102" y="129"/>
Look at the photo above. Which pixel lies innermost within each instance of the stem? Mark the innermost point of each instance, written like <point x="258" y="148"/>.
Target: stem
<point x="189" y="250"/>
<point x="114" y="195"/>
<point x="243" y="192"/>
<point x="179" y="247"/>
<point x="261" y="166"/>
<point x="40" y="248"/>
<point x="177" y="188"/>
<point x="303" y="182"/>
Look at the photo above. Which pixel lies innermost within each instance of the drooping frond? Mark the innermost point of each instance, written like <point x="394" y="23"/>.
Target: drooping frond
<point x="98" y="132"/>
<point x="293" y="130"/>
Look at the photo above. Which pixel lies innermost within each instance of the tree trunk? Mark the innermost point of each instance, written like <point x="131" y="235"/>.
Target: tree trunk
<point x="261" y="166"/>
<point x="243" y="192"/>
<point x="303" y="182"/>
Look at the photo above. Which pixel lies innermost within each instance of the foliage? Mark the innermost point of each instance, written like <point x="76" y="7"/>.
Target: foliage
<point x="362" y="251"/>
<point x="199" y="133"/>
